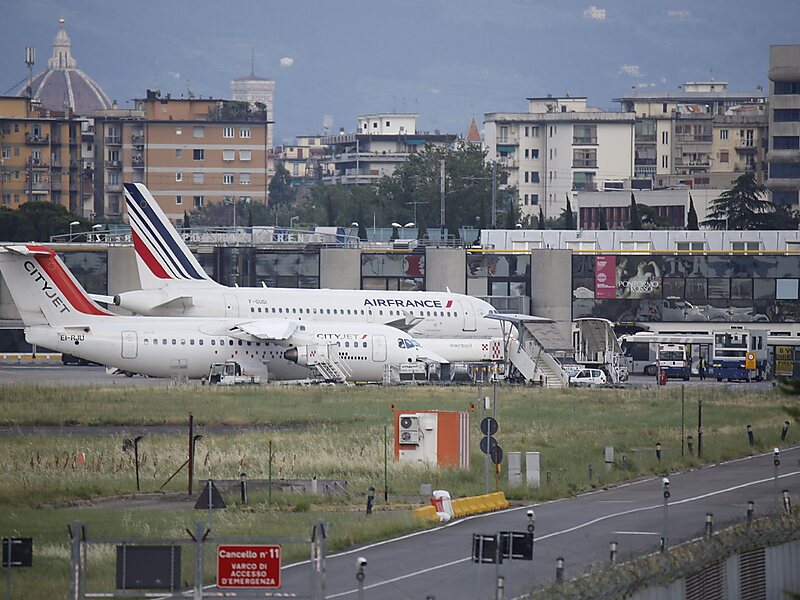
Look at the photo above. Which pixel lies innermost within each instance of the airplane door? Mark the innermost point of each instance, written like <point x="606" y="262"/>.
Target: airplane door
<point x="231" y="305"/>
<point x="378" y="348"/>
<point x="130" y="347"/>
<point x="469" y="317"/>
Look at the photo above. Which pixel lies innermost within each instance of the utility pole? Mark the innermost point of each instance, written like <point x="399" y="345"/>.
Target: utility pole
<point x="441" y="198"/>
<point x="494" y="195"/>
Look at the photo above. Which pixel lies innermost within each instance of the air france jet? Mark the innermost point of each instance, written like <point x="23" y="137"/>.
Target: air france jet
<point x="174" y="284"/>
<point x="58" y="314"/>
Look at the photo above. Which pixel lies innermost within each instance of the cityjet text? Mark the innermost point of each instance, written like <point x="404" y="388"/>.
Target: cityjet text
<point x="46" y="287"/>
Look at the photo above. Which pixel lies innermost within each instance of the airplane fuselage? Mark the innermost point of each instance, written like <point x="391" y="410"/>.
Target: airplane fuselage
<point x="165" y="347"/>
<point x="442" y="316"/>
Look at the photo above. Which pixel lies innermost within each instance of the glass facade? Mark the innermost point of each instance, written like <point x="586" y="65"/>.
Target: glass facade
<point x="90" y="268"/>
<point x="711" y="287"/>
<point x="403" y="271"/>
<point x="496" y="274"/>
<point x="251" y="267"/>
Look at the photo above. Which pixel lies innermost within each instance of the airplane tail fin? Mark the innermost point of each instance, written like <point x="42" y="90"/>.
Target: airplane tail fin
<point x="162" y="256"/>
<point x="44" y="290"/>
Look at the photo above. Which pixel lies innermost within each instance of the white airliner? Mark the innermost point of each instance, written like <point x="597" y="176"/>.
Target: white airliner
<point x="174" y="284"/>
<point x="58" y="314"/>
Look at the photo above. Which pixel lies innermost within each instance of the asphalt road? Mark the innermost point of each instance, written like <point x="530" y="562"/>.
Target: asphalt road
<point x="72" y="375"/>
<point x="437" y="562"/>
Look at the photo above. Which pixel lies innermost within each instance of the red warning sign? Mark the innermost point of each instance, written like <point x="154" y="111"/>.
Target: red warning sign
<point x="248" y="566"/>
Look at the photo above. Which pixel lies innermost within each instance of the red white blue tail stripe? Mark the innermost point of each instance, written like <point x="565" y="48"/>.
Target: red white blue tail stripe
<point x="156" y="241"/>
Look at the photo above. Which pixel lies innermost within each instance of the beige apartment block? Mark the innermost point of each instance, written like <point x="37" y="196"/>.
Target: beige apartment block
<point x="189" y="152"/>
<point x="677" y="135"/>
<point x="40" y="155"/>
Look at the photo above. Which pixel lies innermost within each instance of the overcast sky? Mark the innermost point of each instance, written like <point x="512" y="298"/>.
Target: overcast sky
<point x="446" y="60"/>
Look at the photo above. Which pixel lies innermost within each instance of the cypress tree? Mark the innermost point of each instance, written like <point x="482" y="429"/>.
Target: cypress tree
<point x="691" y="219"/>
<point x="569" y="218"/>
<point x="603" y="224"/>
<point x="636" y="218"/>
<point x="541" y="218"/>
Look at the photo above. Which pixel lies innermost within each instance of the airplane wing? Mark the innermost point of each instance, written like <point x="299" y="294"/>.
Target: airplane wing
<point x="102" y="298"/>
<point x="405" y="323"/>
<point x="267" y="329"/>
<point x="22" y="250"/>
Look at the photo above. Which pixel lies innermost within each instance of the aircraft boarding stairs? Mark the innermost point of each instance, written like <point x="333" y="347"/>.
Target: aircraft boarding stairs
<point x="597" y="344"/>
<point x="326" y="363"/>
<point x="539" y="352"/>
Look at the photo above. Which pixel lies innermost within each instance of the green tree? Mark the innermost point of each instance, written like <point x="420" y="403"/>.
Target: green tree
<point x="635" y="222"/>
<point x="650" y="219"/>
<point x="541" y="222"/>
<point x="468" y="184"/>
<point x="567" y="216"/>
<point x="603" y="224"/>
<point x="691" y="219"/>
<point x="741" y="207"/>
<point x="781" y="217"/>
<point x="280" y="186"/>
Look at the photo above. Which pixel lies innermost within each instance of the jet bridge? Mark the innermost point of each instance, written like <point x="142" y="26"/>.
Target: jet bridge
<point x="539" y="351"/>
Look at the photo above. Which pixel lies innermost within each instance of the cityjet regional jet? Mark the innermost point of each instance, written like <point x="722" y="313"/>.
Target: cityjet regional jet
<point x="174" y="284"/>
<point x="58" y="314"/>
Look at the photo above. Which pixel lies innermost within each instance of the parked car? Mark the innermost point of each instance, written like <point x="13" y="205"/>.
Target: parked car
<point x="589" y="377"/>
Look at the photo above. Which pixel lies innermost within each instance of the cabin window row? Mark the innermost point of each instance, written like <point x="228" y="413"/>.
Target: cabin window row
<point x="335" y="311"/>
<point x="198" y="342"/>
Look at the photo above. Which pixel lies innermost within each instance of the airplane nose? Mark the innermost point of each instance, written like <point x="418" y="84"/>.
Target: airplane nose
<point x="291" y="354"/>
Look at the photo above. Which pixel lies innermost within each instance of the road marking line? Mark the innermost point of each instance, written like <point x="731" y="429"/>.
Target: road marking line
<point x="635" y="533"/>
<point x="569" y="530"/>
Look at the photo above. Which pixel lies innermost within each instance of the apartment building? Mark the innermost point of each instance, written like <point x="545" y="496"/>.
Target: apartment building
<point x="188" y="151"/>
<point x="783" y="154"/>
<point x="40" y="155"/>
<point x="306" y="161"/>
<point x="678" y="134"/>
<point x="380" y="143"/>
<point x="559" y="147"/>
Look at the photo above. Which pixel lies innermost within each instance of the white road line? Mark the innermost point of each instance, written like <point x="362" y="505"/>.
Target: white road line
<point x="569" y="530"/>
<point x="635" y="533"/>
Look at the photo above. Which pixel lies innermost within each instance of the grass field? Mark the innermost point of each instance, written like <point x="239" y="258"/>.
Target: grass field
<point x="332" y="433"/>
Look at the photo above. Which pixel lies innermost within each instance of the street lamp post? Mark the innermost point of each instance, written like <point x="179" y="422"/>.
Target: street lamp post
<point x="71" y="225"/>
<point x="665" y="538"/>
<point x="292" y="220"/>
<point x="136" y="458"/>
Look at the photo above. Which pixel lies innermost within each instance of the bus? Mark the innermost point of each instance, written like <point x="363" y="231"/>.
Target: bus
<point x="675" y="360"/>
<point x="729" y="355"/>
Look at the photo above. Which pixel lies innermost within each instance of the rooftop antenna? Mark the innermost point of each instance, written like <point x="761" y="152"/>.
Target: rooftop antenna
<point x="252" y="62"/>
<point x="30" y="60"/>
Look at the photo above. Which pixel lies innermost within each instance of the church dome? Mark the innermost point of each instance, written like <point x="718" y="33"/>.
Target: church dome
<point x="63" y="84"/>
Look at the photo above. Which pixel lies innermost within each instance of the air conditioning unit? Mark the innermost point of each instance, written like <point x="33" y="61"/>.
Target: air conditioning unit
<point x="408" y="432"/>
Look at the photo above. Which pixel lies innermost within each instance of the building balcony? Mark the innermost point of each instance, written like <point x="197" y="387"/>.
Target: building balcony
<point x="74" y="186"/>
<point x="36" y="163"/>
<point x="684" y="138"/>
<point x="137" y="139"/>
<point x="55" y="185"/>
<point x="508" y="162"/>
<point x="584" y="141"/>
<point x="137" y="163"/>
<point x="746" y="147"/>
<point x="644" y="170"/>
<point x="645" y="138"/>
<point x="587" y="186"/>
<point x="39" y="187"/>
<point x="113" y="164"/>
<point x="584" y="164"/>
<point x="113" y="140"/>
<point x="37" y="140"/>
<point x="508" y="140"/>
<point x="113" y="187"/>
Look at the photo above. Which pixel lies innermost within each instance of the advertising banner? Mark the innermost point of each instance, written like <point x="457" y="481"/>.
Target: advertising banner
<point x="605" y="277"/>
